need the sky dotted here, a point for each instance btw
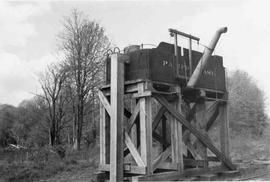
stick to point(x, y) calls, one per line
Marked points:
point(29, 30)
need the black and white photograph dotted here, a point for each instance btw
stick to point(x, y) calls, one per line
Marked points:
point(135, 90)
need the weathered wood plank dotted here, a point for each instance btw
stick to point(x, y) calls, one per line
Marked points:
point(174, 137)
point(104, 102)
point(102, 134)
point(214, 112)
point(171, 176)
point(158, 117)
point(200, 118)
point(117, 118)
point(130, 87)
point(192, 150)
point(194, 131)
point(194, 163)
point(162, 157)
point(135, 154)
point(144, 94)
point(179, 151)
point(129, 169)
point(133, 117)
point(224, 130)
point(133, 130)
point(146, 129)
point(167, 166)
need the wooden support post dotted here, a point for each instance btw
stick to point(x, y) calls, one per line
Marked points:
point(201, 126)
point(102, 135)
point(107, 137)
point(117, 117)
point(174, 143)
point(146, 129)
point(179, 132)
point(224, 129)
point(176, 135)
point(133, 129)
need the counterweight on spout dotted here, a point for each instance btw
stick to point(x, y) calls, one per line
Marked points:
point(205, 57)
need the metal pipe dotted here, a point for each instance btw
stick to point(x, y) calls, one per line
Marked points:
point(205, 57)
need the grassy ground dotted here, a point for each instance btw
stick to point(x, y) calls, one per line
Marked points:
point(247, 148)
point(76, 166)
point(81, 166)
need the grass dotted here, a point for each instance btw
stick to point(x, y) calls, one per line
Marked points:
point(76, 166)
point(81, 165)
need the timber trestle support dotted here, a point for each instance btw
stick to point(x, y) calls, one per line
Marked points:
point(146, 135)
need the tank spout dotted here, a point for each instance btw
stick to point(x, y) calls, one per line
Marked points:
point(205, 57)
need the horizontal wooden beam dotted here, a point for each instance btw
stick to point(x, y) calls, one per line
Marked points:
point(171, 176)
point(130, 169)
point(194, 131)
point(144, 94)
point(130, 87)
point(194, 163)
point(167, 166)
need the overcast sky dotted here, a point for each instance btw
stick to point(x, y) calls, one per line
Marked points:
point(28, 33)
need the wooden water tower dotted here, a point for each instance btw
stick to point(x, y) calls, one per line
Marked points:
point(190, 89)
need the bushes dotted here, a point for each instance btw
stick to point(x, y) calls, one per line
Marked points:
point(247, 104)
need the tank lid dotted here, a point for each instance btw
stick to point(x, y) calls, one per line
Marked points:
point(131, 48)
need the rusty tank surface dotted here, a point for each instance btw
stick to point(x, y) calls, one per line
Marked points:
point(158, 65)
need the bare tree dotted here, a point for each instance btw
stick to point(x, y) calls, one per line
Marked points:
point(52, 82)
point(84, 43)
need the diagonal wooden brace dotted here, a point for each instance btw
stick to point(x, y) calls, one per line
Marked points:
point(214, 111)
point(161, 158)
point(194, 131)
point(133, 117)
point(104, 102)
point(158, 118)
point(134, 152)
